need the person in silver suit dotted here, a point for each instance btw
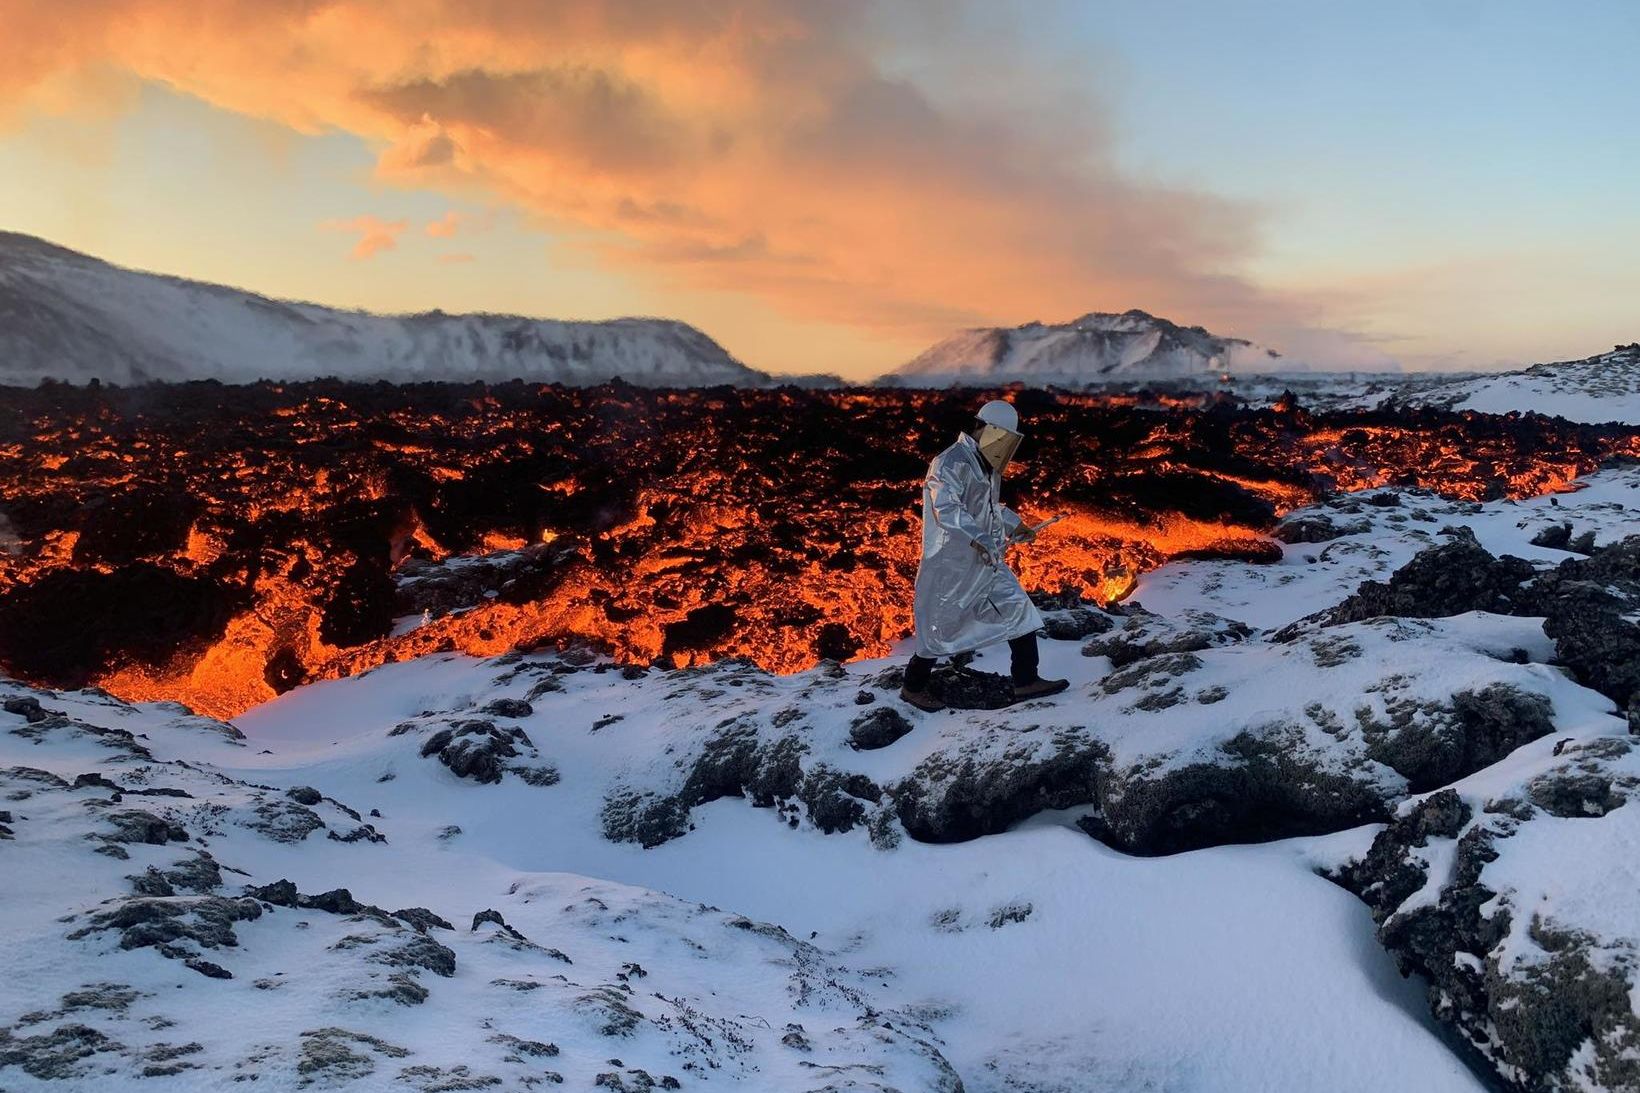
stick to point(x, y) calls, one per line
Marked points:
point(967, 598)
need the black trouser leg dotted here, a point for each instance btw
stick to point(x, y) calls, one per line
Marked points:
point(918, 672)
point(1024, 654)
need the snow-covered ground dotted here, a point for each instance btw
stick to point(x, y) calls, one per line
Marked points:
point(1598, 389)
point(68, 316)
point(749, 947)
point(1036, 959)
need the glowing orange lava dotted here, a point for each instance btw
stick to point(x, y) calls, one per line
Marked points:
point(216, 546)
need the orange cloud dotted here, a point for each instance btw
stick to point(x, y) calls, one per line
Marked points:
point(375, 235)
point(422, 145)
point(446, 226)
point(761, 147)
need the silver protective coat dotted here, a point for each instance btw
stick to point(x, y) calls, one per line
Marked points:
point(962, 602)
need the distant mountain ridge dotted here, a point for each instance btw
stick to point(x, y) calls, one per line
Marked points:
point(71, 317)
point(1099, 346)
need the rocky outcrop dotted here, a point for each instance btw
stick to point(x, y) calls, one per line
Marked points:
point(1591, 607)
point(1264, 783)
point(1433, 743)
point(1144, 635)
point(1067, 617)
point(479, 750)
point(1449, 579)
point(1499, 905)
point(175, 928)
point(1317, 528)
point(961, 795)
point(738, 762)
point(877, 729)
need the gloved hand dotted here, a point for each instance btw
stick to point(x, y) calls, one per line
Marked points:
point(984, 553)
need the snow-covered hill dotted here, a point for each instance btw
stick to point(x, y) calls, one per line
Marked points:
point(1602, 388)
point(1099, 347)
point(557, 869)
point(71, 317)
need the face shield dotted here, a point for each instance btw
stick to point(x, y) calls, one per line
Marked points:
point(997, 444)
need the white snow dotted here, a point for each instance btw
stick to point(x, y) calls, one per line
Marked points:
point(1229, 969)
point(1599, 389)
point(1596, 390)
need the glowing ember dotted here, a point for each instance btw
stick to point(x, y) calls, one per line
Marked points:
point(219, 545)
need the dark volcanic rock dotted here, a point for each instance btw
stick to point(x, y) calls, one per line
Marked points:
point(509, 707)
point(142, 922)
point(1439, 581)
point(952, 798)
point(479, 750)
point(736, 762)
point(1146, 635)
point(1562, 1018)
point(1573, 794)
point(877, 729)
point(55, 1055)
point(136, 826)
point(836, 800)
point(284, 821)
point(1387, 876)
point(362, 833)
point(329, 1055)
point(965, 688)
point(71, 623)
point(647, 819)
point(340, 901)
point(281, 893)
point(402, 987)
point(1263, 786)
point(1066, 617)
point(1432, 744)
point(1555, 536)
point(421, 919)
point(1317, 528)
point(304, 795)
point(420, 951)
point(1590, 607)
point(25, 706)
point(199, 874)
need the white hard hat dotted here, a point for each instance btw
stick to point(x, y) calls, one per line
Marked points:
point(1001, 414)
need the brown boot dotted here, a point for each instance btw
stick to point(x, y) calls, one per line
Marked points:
point(1039, 688)
point(923, 700)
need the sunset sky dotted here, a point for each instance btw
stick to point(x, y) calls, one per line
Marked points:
point(828, 185)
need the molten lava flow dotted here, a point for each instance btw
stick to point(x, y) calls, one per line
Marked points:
point(218, 546)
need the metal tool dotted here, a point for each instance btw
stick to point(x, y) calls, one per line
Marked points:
point(1038, 527)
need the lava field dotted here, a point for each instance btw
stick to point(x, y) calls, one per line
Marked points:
point(217, 545)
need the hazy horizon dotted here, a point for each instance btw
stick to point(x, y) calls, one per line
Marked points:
point(1300, 366)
